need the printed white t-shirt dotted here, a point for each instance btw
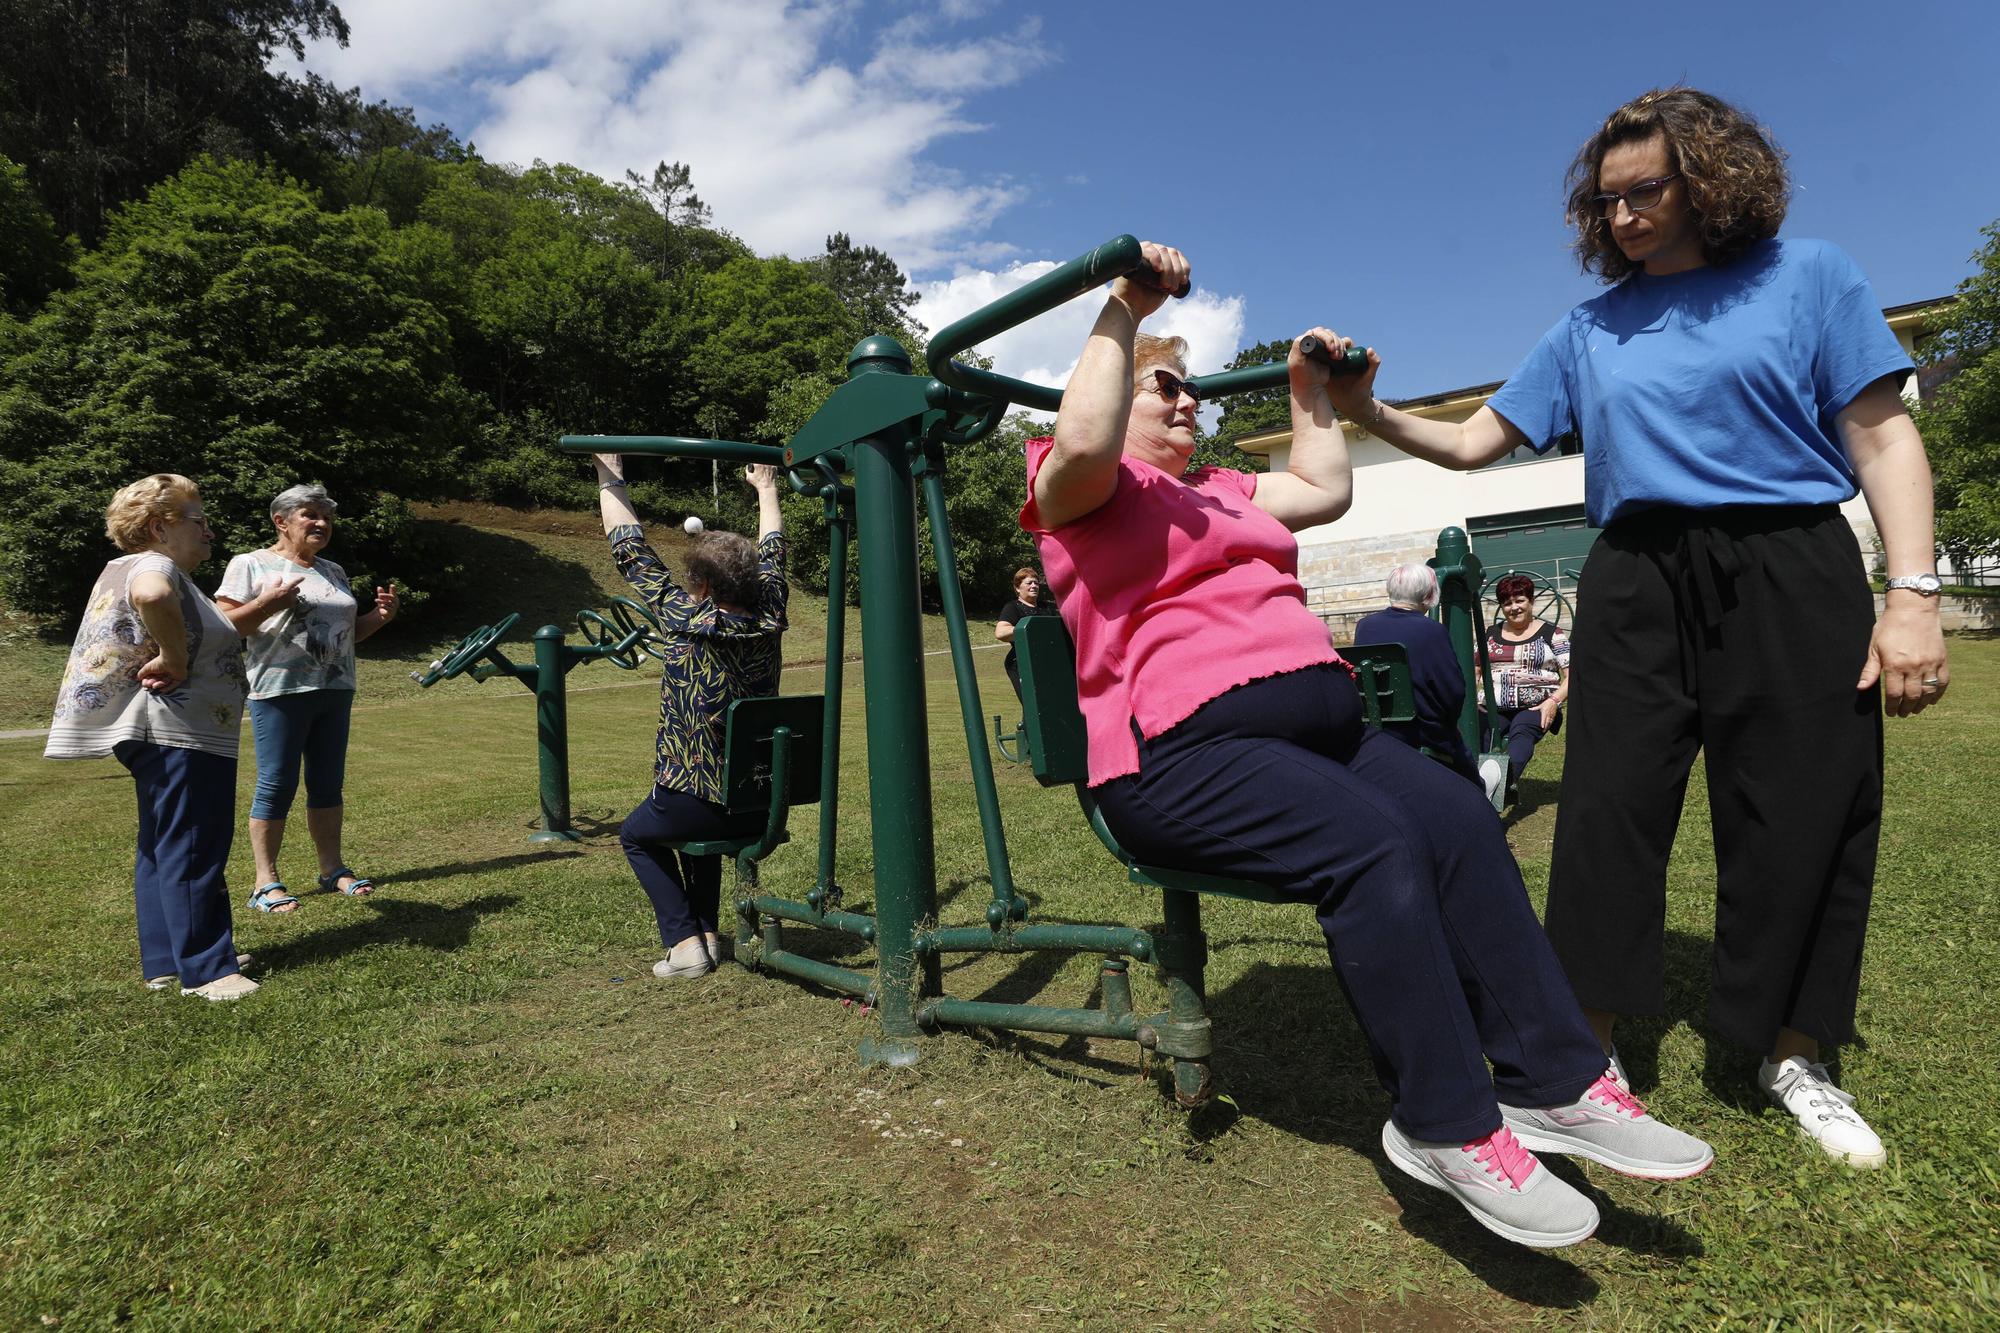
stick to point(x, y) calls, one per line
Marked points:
point(308, 646)
point(101, 701)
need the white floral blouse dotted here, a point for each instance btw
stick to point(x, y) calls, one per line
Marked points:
point(101, 702)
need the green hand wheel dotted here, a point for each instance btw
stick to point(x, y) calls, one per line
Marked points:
point(467, 652)
point(617, 645)
point(629, 615)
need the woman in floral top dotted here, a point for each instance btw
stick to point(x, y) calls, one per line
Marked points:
point(1530, 659)
point(722, 633)
point(155, 679)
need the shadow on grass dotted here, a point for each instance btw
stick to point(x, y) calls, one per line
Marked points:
point(395, 921)
point(1534, 794)
point(545, 589)
point(418, 874)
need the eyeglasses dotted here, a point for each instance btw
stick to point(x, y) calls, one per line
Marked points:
point(1171, 386)
point(1644, 195)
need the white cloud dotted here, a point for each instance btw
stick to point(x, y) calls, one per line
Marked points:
point(786, 143)
point(1045, 349)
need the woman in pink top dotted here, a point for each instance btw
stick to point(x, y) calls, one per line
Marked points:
point(1226, 738)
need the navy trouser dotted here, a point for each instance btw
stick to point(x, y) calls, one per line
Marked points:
point(1738, 633)
point(1426, 919)
point(1524, 733)
point(187, 821)
point(686, 891)
point(310, 726)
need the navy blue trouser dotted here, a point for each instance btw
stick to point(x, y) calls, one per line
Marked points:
point(686, 891)
point(187, 821)
point(1428, 924)
point(1524, 733)
point(311, 726)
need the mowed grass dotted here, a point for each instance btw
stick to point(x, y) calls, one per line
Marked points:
point(465, 1102)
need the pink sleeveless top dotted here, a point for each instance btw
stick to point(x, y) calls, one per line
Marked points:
point(1176, 590)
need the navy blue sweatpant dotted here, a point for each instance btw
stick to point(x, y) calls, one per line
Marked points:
point(1524, 732)
point(686, 891)
point(187, 821)
point(1426, 918)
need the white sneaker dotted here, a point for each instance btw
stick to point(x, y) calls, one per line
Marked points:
point(1493, 777)
point(688, 959)
point(232, 987)
point(720, 947)
point(1826, 1115)
point(161, 983)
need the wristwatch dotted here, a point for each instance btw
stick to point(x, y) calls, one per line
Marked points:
point(1923, 585)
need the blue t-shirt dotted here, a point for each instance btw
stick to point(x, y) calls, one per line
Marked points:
point(1717, 386)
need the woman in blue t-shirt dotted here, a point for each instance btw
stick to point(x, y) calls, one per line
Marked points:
point(1731, 390)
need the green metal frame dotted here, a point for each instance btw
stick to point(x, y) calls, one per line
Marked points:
point(876, 446)
point(618, 639)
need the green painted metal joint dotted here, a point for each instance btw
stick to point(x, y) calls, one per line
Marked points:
point(1191, 1039)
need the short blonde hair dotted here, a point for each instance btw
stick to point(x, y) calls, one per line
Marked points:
point(131, 513)
point(1150, 350)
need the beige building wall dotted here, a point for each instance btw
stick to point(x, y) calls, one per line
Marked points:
point(1401, 503)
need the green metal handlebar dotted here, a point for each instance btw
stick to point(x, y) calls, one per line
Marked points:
point(1113, 259)
point(1118, 257)
point(673, 446)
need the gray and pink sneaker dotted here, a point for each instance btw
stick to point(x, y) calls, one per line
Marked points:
point(1609, 1125)
point(1500, 1183)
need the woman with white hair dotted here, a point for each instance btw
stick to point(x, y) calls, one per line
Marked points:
point(301, 671)
point(155, 680)
point(1436, 678)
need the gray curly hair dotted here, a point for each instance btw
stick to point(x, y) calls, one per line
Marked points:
point(294, 498)
point(1413, 585)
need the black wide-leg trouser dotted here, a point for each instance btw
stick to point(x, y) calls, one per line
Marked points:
point(1429, 927)
point(1739, 633)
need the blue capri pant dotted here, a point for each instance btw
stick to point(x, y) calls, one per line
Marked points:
point(310, 726)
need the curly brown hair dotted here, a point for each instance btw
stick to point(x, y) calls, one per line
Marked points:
point(725, 565)
point(1733, 170)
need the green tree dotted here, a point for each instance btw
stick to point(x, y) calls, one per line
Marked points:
point(101, 99)
point(1961, 420)
point(746, 328)
point(34, 257)
point(1247, 414)
point(232, 331)
point(871, 288)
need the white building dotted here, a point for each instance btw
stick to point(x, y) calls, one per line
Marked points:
point(1523, 512)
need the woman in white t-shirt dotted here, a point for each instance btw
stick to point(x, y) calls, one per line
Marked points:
point(155, 679)
point(301, 674)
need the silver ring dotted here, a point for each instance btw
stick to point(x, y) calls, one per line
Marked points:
point(1932, 681)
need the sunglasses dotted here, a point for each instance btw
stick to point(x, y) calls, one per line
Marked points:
point(1644, 195)
point(1171, 386)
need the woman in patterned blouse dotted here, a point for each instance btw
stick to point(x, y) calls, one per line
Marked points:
point(722, 631)
point(1530, 660)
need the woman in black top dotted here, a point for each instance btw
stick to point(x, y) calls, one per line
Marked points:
point(1027, 602)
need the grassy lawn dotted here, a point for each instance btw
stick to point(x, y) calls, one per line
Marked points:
point(464, 1102)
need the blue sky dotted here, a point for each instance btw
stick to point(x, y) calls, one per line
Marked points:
point(1392, 170)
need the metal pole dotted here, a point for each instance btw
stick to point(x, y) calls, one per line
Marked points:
point(839, 530)
point(1005, 904)
point(1458, 606)
point(552, 736)
point(899, 778)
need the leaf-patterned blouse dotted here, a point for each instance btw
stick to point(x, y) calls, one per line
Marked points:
point(713, 658)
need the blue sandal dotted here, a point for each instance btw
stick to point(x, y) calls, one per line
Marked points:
point(273, 897)
point(361, 886)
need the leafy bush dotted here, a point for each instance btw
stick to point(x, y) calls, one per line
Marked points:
point(231, 330)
